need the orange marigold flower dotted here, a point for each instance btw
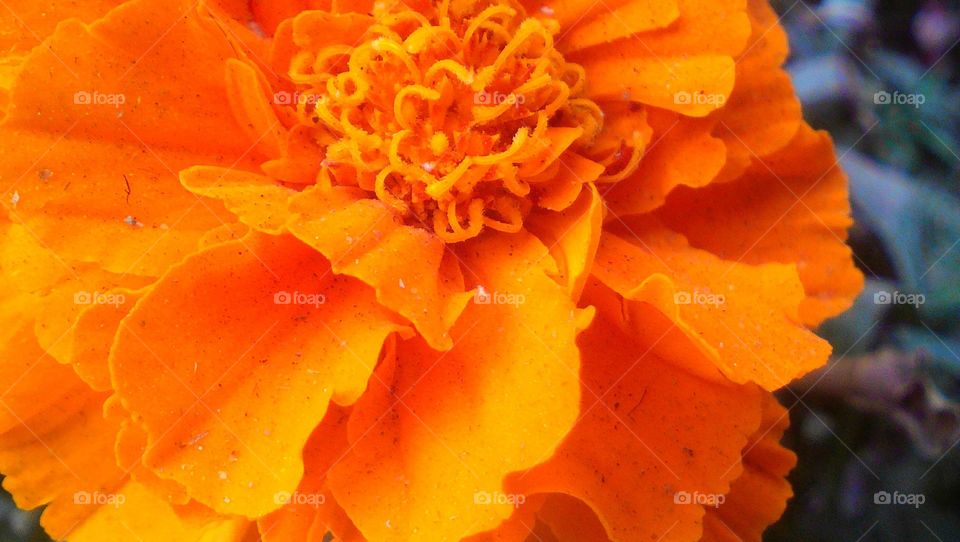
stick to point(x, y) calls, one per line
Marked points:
point(423, 270)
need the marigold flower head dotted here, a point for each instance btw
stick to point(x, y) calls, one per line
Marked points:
point(432, 270)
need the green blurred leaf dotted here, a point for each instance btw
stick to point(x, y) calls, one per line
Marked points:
point(920, 228)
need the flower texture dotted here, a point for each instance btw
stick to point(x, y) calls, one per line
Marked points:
point(407, 271)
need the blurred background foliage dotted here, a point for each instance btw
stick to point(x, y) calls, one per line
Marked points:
point(885, 415)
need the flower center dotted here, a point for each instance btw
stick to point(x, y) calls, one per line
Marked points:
point(452, 115)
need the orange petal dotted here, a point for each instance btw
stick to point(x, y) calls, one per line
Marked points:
point(571, 519)
point(706, 75)
point(26, 23)
point(565, 187)
point(759, 496)
point(744, 318)
point(437, 432)
point(253, 109)
point(763, 112)
point(128, 80)
point(92, 155)
point(683, 153)
point(572, 236)
point(694, 55)
point(620, 22)
point(257, 201)
point(649, 433)
point(791, 207)
point(260, 344)
point(410, 268)
point(93, 335)
point(311, 511)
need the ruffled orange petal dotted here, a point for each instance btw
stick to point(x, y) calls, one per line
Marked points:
point(743, 318)
point(792, 207)
point(763, 112)
point(683, 153)
point(311, 511)
point(61, 291)
point(55, 447)
point(92, 154)
point(647, 432)
point(93, 333)
point(572, 237)
point(257, 201)
point(410, 268)
point(26, 23)
point(693, 55)
point(759, 496)
point(435, 434)
point(227, 418)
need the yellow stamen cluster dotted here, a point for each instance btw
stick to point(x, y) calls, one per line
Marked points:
point(448, 117)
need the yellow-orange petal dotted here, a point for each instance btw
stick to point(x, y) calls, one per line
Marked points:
point(243, 346)
point(743, 318)
point(56, 447)
point(412, 271)
point(572, 236)
point(257, 201)
point(648, 434)
point(791, 207)
point(135, 513)
point(437, 431)
point(311, 511)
